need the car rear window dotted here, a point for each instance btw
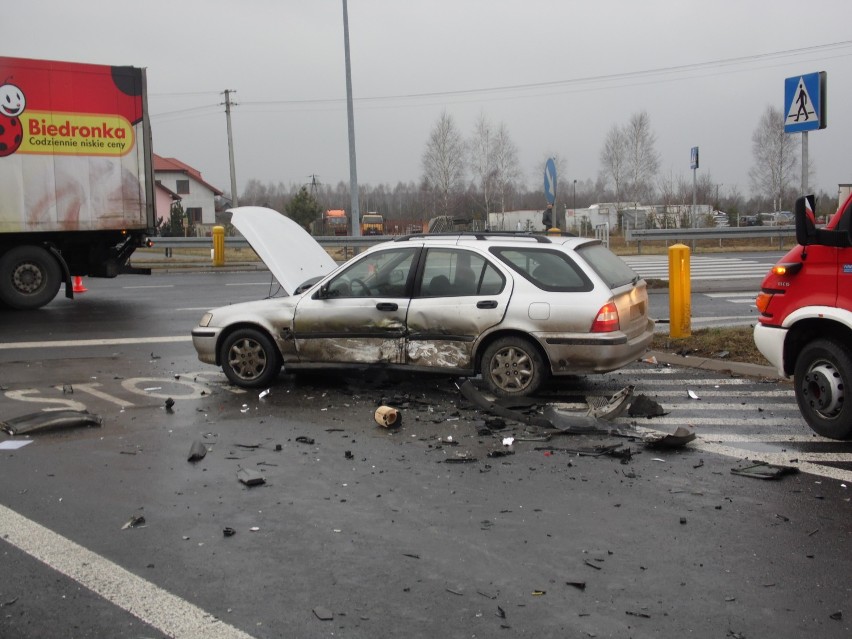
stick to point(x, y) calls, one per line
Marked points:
point(548, 269)
point(609, 267)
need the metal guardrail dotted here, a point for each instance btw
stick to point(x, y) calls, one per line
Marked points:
point(712, 233)
point(238, 242)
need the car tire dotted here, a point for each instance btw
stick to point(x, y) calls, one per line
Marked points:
point(249, 358)
point(512, 367)
point(29, 277)
point(823, 383)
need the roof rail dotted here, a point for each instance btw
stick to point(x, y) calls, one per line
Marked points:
point(479, 235)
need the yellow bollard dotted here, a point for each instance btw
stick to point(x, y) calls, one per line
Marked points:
point(554, 231)
point(218, 246)
point(680, 313)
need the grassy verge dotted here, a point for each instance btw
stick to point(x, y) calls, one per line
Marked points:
point(735, 344)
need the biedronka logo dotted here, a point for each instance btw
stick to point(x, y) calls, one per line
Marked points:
point(75, 134)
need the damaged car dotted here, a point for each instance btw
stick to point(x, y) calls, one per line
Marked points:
point(515, 308)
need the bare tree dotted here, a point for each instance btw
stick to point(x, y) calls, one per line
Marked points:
point(643, 161)
point(775, 157)
point(614, 160)
point(507, 170)
point(483, 160)
point(444, 161)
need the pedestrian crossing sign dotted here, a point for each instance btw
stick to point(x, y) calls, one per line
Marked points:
point(804, 103)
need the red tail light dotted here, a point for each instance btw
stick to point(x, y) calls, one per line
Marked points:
point(607, 319)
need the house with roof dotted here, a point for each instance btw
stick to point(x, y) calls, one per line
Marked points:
point(175, 178)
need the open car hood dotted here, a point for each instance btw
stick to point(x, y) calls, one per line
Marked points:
point(286, 248)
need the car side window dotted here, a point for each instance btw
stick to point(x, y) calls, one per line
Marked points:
point(455, 273)
point(549, 270)
point(378, 274)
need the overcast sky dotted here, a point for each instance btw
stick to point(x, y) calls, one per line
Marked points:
point(558, 73)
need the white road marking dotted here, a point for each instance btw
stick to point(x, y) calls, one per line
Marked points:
point(151, 286)
point(169, 614)
point(118, 341)
point(247, 284)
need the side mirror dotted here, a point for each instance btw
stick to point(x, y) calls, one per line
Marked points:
point(803, 213)
point(807, 232)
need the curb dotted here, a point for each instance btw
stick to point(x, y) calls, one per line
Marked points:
point(706, 363)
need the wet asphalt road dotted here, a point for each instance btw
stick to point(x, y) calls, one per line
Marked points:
point(394, 539)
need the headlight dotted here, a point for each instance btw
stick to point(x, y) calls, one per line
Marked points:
point(206, 319)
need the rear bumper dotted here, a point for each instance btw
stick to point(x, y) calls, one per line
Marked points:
point(594, 352)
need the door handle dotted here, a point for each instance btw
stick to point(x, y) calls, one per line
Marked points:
point(487, 304)
point(386, 306)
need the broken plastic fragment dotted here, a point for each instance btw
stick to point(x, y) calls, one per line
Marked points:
point(50, 420)
point(229, 532)
point(250, 477)
point(136, 521)
point(323, 614)
point(681, 436)
point(508, 441)
point(263, 394)
point(692, 394)
point(615, 406)
point(169, 403)
point(386, 416)
point(644, 406)
point(197, 451)
point(305, 440)
point(762, 470)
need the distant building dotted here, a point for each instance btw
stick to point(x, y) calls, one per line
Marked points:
point(196, 195)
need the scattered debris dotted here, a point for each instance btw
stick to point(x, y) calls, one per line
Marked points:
point(762, 470)
point(50, 420)
point(250, 477)
point(263, 394)
point(721, 354)
point(538, 593)
point(500, 453)
point(387, 417)
point(455, 592)
point(508, 441)
point(169, 403)
point(197, 451)
point(323, 614)
point(580, 585)
point(692, 394)
point(472, 394)
point(305, 440)
point(637, 614)
point(135, 521)
point(614, 406)
point(67, 389)
point(460, 460)
point(650, 360)
point(837, 616)
point(644, 406)
point(681, 436)
point(229, 532)
point(348, 455)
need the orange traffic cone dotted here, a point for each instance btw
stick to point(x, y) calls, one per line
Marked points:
point(78, 285)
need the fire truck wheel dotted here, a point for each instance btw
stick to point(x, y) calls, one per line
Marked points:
point(823, 383)
point(29, 277)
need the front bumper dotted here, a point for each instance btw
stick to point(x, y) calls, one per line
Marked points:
point(770, 342)
point(204, 339)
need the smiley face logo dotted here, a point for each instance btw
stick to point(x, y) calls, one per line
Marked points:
point(12, 105)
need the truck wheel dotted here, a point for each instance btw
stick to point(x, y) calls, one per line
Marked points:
point(512, 367)
point(249, 358)
point(29, 277)
point(823, 381)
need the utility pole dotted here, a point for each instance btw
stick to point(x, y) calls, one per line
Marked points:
point(234, 199)
point(353, 173)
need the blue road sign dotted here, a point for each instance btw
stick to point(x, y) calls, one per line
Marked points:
point(804, 103)
point(550, 181)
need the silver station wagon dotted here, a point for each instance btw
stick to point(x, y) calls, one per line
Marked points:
point(515, 308)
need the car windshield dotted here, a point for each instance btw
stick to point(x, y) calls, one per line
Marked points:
point(609, 267)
